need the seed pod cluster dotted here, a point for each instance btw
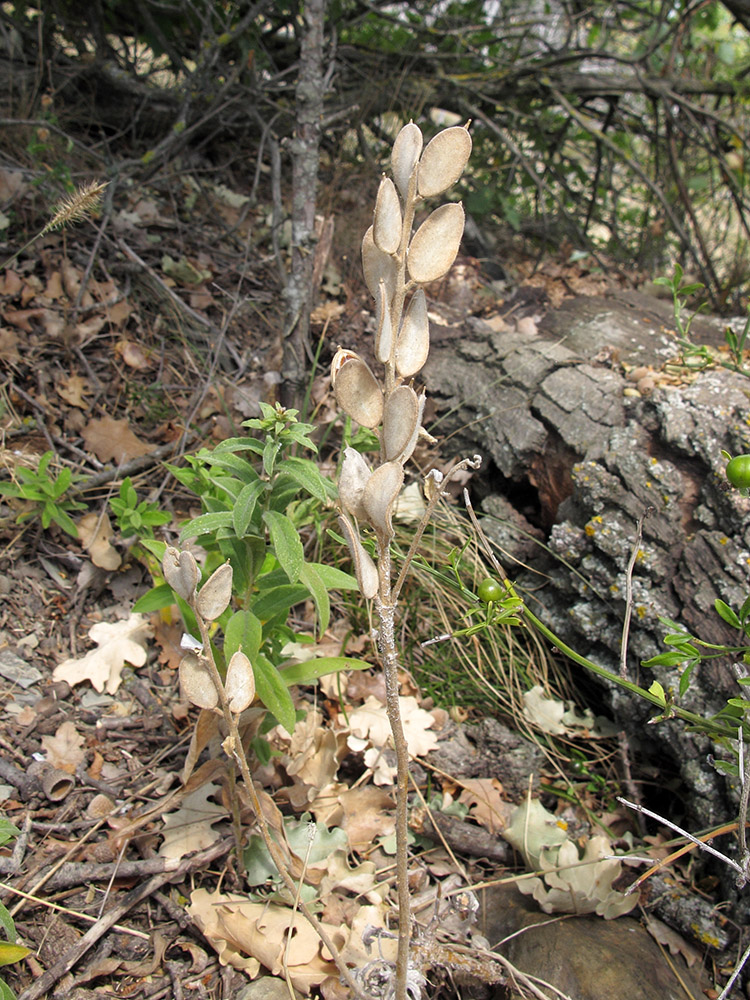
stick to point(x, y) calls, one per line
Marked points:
point(396, 264)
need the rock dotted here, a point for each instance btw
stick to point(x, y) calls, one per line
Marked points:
point(267, 988)
point(583, 462)
point(587, 958)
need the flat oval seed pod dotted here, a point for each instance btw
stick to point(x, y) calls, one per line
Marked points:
point(412, 443)
point(377, 266)
point(364, 568)
point(413, 343)
point(240, 683)
point(354, 477)
point(435, 244)
point(406, 150)
point(400, 422)
point(380, 496)
point(384, 332)
point(386, 227)
point(357, 391)
point(215, 594)
point(443, 161)
point(181, 572)
point(196, 682)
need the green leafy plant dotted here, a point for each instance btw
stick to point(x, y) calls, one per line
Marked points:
point(698, 356)
point(10, 950)
point(42, 495)
point(136, 517)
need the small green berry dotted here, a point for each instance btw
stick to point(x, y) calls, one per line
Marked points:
point(738, 471)
point(490, 591)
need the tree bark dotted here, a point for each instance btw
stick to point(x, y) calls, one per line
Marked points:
point(305, 161)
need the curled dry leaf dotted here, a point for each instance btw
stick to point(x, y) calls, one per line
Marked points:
point(400, 423)
point(406, 150)
point(95, 534)
point(380, 495)
point(413, 344)
point(355, 474)
point(181, 572)
point(364, 568)
point(443, 161)
point(356, 389)
point(377, 266)
point(240, 683)
point(215, 594)
point(435, 244)
point(197, 683)
point(386, 227)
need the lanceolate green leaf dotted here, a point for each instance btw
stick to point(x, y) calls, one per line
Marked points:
point(318, 666)
point(273, 602)
point(286, 543)
point(311, 579)
point(273, 692)
point(154, 599)
point(244, 507)
point(10, 953)
point(306, 474)
point(244, 631)
point(6, 921)
point(335, 579)
point(205, 524)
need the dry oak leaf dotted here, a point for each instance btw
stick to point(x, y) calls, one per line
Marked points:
point(95, 533)
point(370, 721)
point(190, 827)
point(73, 389)
point(113, 440)
point(487, 806)
point(65, 749)
point(237, 928)
point(118, 643)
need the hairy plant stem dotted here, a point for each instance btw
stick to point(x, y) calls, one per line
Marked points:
point(386, 610)
point(233, 748)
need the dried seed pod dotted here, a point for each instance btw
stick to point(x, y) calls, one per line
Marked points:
point(352, 482)
point(380, 495)
point(356, 388)
point(196, 682)
point(377, 266)
point(364, 568)
point(181, 572)
point(240, 683)
point(215, 594)
point(386, 226)
point(435, 244)
point(413, 343)
point(384, 333)
point(400, 423)
point(443, 161)
point(404, 156)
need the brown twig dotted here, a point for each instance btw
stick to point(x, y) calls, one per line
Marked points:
point(55, 973)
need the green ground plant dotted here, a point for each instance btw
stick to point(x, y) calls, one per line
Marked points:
point(42, 494)
point(10, 951)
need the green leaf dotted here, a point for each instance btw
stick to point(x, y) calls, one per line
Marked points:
point(727, 767)
point(273, 602)
point(60, 517)
point(685, 676)
point(206, 524)
point(8, 831)
point(243, 631)
point(273, 692)
point(286, 543)
point(155, 547)
point(666, 660)
point(10, 953)
point(657, 690)
point(154, 599)
point(6, 993)
point(239, 444)
point(725, 612)
point(307, 475)
point(335, 579)
point(270, 451)
point(244, 506)
point(320, 666)
point(6, 921)
point(311, 579)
